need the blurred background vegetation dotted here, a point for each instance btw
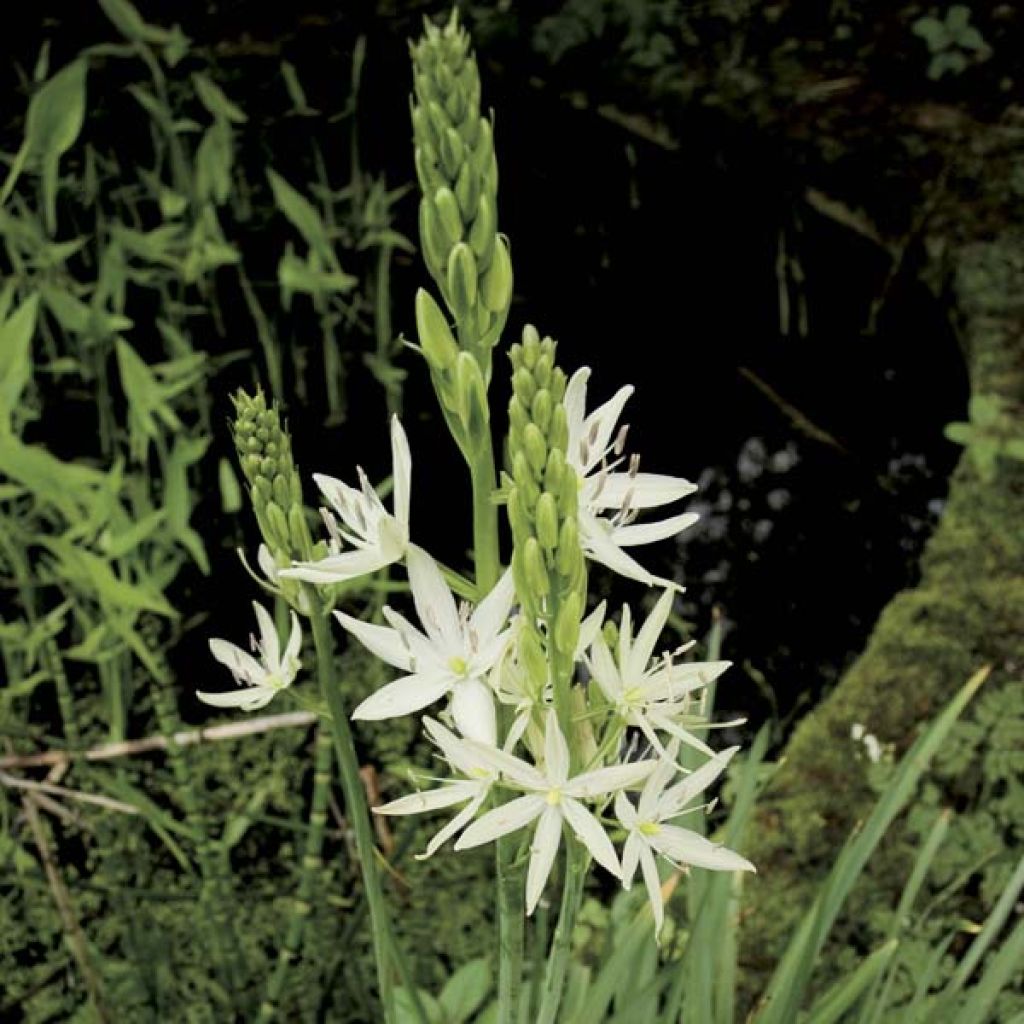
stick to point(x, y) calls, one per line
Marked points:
point(796, 228)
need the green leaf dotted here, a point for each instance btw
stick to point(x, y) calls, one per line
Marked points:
point(304, 217)
point(16, 357)
point(405, 1008)
point(214, 158)
point(465, 991)
point(788, 985)
point(834, 1004)
point(212, 97)
point(54, 120)
point(230, 491)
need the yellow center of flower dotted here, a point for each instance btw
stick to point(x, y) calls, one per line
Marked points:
point(649, 828)
point(458, 665)
point(633, 696)
point(554, 797)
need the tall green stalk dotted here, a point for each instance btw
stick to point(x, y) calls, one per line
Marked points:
point(561, 945)
point(386, 952)
point(312, 862)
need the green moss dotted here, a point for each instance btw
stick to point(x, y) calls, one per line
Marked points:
point(967, 611)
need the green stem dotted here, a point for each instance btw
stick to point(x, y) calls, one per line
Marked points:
point(558, 961)
point(312, 861)
point(509, 880)
point(386, 952)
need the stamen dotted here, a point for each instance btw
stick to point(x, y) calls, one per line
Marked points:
point(620, 440)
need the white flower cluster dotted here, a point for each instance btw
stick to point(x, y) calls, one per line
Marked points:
point(468, 657)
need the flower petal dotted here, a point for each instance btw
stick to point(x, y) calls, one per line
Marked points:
point(625, 811)
point(542, 854)
point(270, 644)
point(491, 614)
point(457, 824)
point(501, 821)
point(686, 847)
point(556, 751)
point(511, 767)
point(656, 782)
point(682, 793)
point(600, 547)
point(652, 880)
point(290, 664)
point(401, 471)
point(648, 533)
point(472, 707)
point(644, 490)
point(590, 629)
point(575, 402)
point(383, 641)
point(338, 568)
point(243, 666)
point(402, 697)
point(600, 425)
point(435, 604)
point(630, 858)
point(593, 837)
point(608, 780)
point(604, 671)
point(643, 649)
point(448, 795)
point(238, 698)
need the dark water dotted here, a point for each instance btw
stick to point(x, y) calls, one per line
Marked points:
point(656, 268)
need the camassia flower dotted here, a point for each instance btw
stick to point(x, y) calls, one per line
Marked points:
point(264, 678)
point(472, 790)
point(453, 656)
point(552, 799)
point(651, 696)
point(606, 488)
point(650, 831)
point(377, 537)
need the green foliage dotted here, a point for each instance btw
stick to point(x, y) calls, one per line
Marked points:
point(993, 432)
point(953, 42)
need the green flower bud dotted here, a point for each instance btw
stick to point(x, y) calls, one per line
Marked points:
point(483, 233)
point(547, 521)
point(523, 476)
point(532, 656)
point(447, 208)
point(541, 409)
point(496, 284)
point(462, 280)
point(277, 524)
point(436, 340)
point(472, 397)
point(569, 551)
point(518, 418)
point(535, 447)
point(569, 494)
point(558, 429)
point(467, 190)
point(554, 470)
point(282, 492)
point(434, 240)
point(298, 532)
point(534, 568)
point(518, 516)
point(452, 152)
point(567, 624)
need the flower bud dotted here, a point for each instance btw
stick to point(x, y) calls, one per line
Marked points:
point(467, 190)
point(567, 624)
point(483, 233)
point(277, 524)
point(518, 516)
point(554, 470)
point(496, 284)
point(462, 280)
point(471, 397)
point(535, 447)
point(447, 208)
point(452, 152)
point(558, 430)
point(547, 521)
point(541, 409)
point(534, 568)
point(436, 340)
point(531, 654)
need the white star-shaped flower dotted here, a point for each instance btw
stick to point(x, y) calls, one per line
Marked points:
point(453, 656)
point(651, 696)
point(650, 832)
point(605, 487)
point(551, 799)
point(471, 790)
point(264, 678)
point(377, 537)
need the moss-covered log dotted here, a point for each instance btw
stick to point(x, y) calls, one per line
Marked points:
point(967, 610)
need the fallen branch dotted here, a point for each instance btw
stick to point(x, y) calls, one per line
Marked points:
point(129, 748)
